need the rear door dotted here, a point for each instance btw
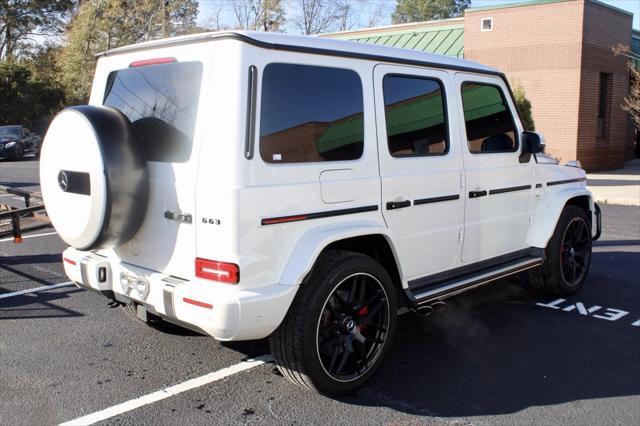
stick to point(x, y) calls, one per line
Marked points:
point(161, 97)
point(420, 167)
point(499, 192)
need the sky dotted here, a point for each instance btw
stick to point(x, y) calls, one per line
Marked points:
point(380, 10)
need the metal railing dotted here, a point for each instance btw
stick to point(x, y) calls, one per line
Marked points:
point(14, 220)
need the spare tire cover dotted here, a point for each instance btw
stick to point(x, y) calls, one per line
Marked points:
point(94, 177)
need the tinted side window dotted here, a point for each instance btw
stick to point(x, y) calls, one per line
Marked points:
point(490, 126)
point(415, 116)
point(310, 114)
point(161, 101)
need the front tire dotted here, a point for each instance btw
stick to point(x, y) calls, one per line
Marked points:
point(339, 327)
point(568, 255)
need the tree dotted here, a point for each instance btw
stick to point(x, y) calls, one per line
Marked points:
point(24, 98)
point(631, 103)
point(22, 20)
point(263, 15)
point(425, 10)
point(319, 16)
point(101, 25)
point(524, 107)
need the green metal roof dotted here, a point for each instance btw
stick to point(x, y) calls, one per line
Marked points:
point(444, 40)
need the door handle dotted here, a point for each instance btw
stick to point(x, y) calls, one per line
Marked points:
point(476, 194)
point(393, 205)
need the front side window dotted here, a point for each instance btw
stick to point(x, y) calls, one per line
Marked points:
point(415, 116)
point(310, 114)
point(161, 102)
point(490, 126)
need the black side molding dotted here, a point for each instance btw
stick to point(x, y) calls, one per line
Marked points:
point(436, 199)
point(560, 182)
point(317, 215)
point(509, 189)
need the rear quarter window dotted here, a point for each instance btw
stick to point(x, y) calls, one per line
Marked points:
point(161, 102)
point(310, 114)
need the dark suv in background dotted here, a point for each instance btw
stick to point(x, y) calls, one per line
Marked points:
point(16, 141)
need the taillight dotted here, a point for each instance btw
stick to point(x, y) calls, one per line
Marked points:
point(217, 271)
point(154, 61)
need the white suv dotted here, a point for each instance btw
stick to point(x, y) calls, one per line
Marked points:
point(248, 185)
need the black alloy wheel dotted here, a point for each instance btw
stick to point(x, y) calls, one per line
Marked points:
point(575, 251)
point(353, 327)
point(340, 325)
point(567, 255)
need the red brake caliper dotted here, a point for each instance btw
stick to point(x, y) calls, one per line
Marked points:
point(362, 312)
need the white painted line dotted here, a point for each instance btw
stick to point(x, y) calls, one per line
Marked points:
point(29, 236)
point(35, 290)
point(156, 396)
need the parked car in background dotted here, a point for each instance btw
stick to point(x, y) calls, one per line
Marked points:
point(16, 141)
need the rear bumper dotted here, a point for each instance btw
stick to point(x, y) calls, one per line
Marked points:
point(223, 311)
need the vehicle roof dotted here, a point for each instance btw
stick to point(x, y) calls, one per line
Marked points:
point(312, 44)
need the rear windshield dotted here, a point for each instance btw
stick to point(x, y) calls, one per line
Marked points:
point(161, 102)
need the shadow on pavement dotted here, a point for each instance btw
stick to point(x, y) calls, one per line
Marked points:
point(493, 351)
point(38, 305)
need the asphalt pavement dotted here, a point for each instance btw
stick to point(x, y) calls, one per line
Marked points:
point(498, 355)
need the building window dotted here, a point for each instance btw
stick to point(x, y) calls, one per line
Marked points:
point(415, 116)
point(486, 24)
point(490, 126)
point(604, 105)
point(310, 114)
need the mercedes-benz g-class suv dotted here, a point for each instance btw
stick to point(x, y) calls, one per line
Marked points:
point(250, 185)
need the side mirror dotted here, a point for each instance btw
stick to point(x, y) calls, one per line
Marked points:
point(533, 142)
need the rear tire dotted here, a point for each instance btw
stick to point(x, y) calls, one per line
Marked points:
point(340, 326)
point(567, 255)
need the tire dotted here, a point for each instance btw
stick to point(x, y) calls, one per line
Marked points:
point(19, 152)
point(567, 255)
point(357, 329)
point(94, 177)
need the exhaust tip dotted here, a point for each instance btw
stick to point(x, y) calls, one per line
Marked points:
point(424, 311)
point(438, 305)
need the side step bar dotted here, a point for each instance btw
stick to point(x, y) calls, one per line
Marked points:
point(459, 285)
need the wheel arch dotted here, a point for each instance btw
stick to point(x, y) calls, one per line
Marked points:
point(367, 238)
point(548, 213)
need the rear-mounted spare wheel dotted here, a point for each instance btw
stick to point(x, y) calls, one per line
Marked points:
point(94, 177)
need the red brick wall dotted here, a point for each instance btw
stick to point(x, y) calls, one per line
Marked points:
point(603, 29)
point(554, 50)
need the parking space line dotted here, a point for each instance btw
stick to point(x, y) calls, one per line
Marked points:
point(34, 290)
point(156, 396)
point(29, 236)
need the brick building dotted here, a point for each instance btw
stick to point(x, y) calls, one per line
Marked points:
point(559, 51)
